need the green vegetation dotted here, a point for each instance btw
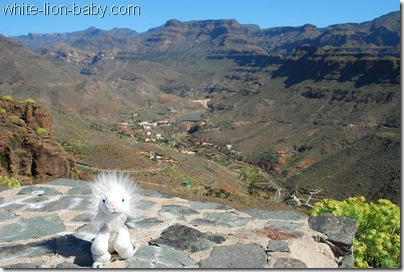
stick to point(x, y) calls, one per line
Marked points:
point(16, 119)
point(9, 182)
point(377, 240)
point(2, 111)
point(4, 157)
point(29, 101)
point(41, 131)
point(8, 98)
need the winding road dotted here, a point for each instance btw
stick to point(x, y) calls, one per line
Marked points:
point(280, 193)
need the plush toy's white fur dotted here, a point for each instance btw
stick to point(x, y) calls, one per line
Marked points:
point(113, 200)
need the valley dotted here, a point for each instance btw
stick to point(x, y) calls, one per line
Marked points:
point(247, 116)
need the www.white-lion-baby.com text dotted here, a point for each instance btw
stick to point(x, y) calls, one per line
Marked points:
point(71, 9)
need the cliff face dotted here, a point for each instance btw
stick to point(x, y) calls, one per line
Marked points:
point(27, 150)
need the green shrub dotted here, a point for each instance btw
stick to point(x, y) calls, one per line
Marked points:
point(8, 98)
point(2, 111)
point(30, 101)
point(377, 240)
point(16, 119)
point(41, 131)
point(9, 182)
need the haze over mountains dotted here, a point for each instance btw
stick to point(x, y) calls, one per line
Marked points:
point(315, 107)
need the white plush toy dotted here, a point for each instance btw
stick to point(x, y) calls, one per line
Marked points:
point(113, 200)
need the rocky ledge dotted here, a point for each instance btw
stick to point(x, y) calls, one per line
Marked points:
point(47, 226)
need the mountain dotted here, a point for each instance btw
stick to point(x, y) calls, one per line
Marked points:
point(315, 107)
point(29, 75)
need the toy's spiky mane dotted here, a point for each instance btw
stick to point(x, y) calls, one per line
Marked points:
point(118, 183)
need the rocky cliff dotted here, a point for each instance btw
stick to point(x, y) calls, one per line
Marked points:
point(46, 226)
point(27, 150)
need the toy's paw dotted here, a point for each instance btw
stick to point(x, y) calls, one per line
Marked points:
point(127, 254)
point(98, 265)
point(102, 258)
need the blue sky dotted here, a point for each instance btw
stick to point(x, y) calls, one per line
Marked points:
point(153, 13)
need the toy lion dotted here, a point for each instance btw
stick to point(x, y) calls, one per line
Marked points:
point(113, 200)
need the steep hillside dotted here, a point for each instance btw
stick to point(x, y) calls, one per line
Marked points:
point(27, 150)
point(27, 75)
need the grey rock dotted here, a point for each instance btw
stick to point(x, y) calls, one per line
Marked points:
point(145, 223)
point(35, 190)
point(68, 182)
point(179, 211)
point(12, 206)
point(66, 265)
point(153, 193)
point(84, 190)
point(6, 215)
point(224, 219)
point(84, 217)
point(288, 263)
point(283, 230)
point(86, 232)
point(277, 246)
point(64, 203)
point(26, 265)
point(236, 256)
point(145, 205)
point(37, 199)
point(1, 200)
point(28, 228)
point(347, 261)
point(29, 250)
point(185, 238)
point(3, 188)
point(283, 215)
point(158, 257)
point(339, 230)
point(208, 206)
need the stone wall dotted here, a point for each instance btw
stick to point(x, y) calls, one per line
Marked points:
point(46, 226)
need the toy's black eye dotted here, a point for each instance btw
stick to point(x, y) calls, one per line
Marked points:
point(123, 200)
point(103, 200)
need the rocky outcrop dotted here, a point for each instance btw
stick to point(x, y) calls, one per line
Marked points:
point(47, 226)
point(27, 150)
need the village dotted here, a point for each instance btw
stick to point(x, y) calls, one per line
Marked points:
point(179, 134)
point(176, 133)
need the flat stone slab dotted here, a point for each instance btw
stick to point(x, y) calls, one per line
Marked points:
point(186, 238)
point(28, 250)
point(178, 211)
point(36, 190)
point(64, 203)
point(6, 215)
point(236, 256)
point(145, 223)
point(145, 205)
point(159, 257)
point(339, 230)
point(277, 246)
point(28, 228)
point(224, 219)
point(288, 263)
point(282, 215)
point(208, 206)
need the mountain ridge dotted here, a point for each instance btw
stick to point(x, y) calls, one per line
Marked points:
point(310, 93)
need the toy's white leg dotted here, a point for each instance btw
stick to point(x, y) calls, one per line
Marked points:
point(99, 248)
point(123, 244)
